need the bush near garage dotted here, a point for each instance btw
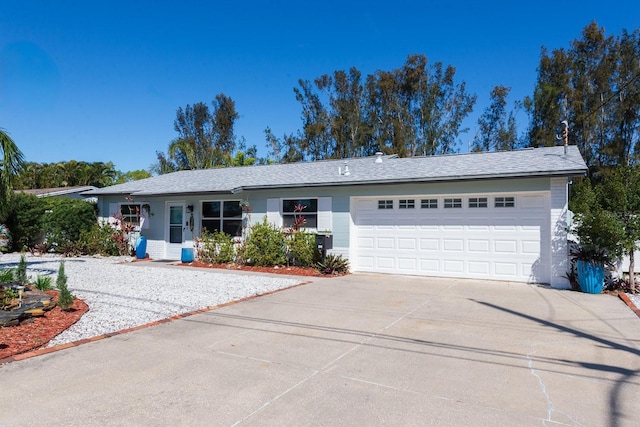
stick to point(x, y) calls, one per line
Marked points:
point(301, 248)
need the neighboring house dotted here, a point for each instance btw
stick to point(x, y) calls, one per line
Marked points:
point(499, 216)
point(70, 192)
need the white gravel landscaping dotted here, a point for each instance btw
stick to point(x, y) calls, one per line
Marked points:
point(121, 295)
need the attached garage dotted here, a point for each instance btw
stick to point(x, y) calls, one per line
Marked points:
point(483, 236)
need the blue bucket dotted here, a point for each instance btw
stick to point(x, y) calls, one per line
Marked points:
point(187, 255)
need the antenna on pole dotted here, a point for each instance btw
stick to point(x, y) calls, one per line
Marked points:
point(564, 135)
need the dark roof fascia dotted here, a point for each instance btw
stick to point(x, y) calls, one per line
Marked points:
point(458, 178)
point(182, 193)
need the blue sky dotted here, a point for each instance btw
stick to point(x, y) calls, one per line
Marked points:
point(101, 81)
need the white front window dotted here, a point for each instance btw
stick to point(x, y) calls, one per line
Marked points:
point(223, 216)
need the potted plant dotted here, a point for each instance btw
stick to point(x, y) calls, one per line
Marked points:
point(600, 236)
point(590, 268)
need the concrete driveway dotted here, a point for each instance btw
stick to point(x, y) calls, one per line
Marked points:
point(358, 350)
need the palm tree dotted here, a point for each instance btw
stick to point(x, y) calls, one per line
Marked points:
point(11, 163)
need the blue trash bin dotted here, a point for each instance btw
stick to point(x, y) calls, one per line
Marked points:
point(187, 255)
point(141, 247)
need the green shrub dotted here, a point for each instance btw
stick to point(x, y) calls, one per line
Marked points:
point(265, 245)
point(7, 275)
point(99, 240)
point(58, 220)
point(216, 248)
point(65, 299)
point(6, 296)
point(66, 219)
point(21, 271)
point(302, 249)
point(43, 283)
point(333, 264)
point(25, 221)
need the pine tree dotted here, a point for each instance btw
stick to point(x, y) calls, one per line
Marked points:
point(21, 272)
point(65, 299)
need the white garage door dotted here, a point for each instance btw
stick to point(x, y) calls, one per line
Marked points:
point(504, 237)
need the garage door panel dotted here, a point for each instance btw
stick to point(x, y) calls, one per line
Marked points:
point(429, 265)
point(387, 224)
point(530, 247)
point(505, 226)
point(366, 263)
point(479, 245)
point(478, 227)
point(501, 243)
point(506, 269)
point(453, 266)
point(479, 267)
point(385, 243)
point(407, 264)
point(455, 245)
point(453, 227)
point(365, 242)
point(430, 244)
point(433, 227)
point(505, 246)
point(387, 263)
point(407, 243)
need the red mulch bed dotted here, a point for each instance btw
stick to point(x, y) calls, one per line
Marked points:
point(35, 332)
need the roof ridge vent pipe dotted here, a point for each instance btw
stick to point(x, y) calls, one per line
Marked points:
point(346, 169)
point(378, 157)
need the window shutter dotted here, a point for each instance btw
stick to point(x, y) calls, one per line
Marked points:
point(324, 214)
point(144, 217)
point(273, 212)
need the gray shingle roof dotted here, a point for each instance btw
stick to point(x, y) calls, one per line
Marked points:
point(548, 161)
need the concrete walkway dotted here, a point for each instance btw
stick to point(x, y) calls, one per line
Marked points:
point(361, 350)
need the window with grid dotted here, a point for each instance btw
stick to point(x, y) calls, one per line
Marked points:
point(407, 204)
point(385, 204)
point(477, 202)
point(452, 203)
point(223, 216)
point(309, 212)
point(429, 204)
point(505, 202)
point(130, 213)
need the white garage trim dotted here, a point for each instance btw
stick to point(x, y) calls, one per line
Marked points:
point(473, 237)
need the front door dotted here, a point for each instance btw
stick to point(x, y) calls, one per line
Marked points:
point(175, 229)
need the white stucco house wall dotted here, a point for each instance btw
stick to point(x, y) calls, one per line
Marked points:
point(498, 215)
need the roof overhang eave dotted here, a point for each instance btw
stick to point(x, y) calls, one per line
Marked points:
point(456, 178)
point(450, 178)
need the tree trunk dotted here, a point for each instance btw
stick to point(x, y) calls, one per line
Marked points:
point(632, 283)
